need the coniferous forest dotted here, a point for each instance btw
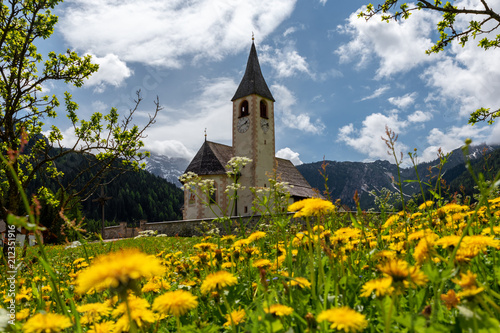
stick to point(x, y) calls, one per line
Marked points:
point(134, 196)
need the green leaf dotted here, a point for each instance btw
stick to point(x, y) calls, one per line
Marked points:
point(355, 222)
point(22, 222)
point(435, 195)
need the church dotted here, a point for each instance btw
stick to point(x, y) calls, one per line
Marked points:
point(253, 136)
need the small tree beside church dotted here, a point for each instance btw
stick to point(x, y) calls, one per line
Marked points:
point(28, 147)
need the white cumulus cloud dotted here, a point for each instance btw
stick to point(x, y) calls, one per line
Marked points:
point(159, 32)
point(377, 93)
point(403, 102)
point(467, 78)
point(399, 46)
point(170, 148)
point(286, 104)
point(289, 154)
point(462, 79)
point(368, 139)
point(181, 131)
point(452, 138)
point(419, 116)
point(112, 71)
point(286, 62)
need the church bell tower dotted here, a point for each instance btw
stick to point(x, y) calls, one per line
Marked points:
point(253, 125)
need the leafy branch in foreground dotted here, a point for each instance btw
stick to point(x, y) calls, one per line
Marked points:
point(484, 22)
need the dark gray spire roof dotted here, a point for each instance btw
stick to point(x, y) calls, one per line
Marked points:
point(253, 82)
point(211, 159)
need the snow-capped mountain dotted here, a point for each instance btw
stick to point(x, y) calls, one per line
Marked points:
point(169, 168)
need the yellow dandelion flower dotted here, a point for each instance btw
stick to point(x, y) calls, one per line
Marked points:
point(155, 285)
point(448, 241)
point(348, 233)
point(467, 280)
point(46, 289)
point(301, 282)
point(46, 323)
point(228, 238)
point(494, 201)
point(471, 246)
point(296, 206)
point(256, 236)
point(205, 246)
point(77, 261)
point(416, 215)
point(400, 271)
point(22, 314)
point(458, 217)
point(487, 231)
point(470, 292)
point(24, 294)
point(450, 209)
point(385, 255)
point(217, 281)
point(118, 268)
point(318, 229)
point(228, 265)
point(420, 234)
point(104, 327)
point(297, 240)
point(311, 206)
point(249, 251)
point(93, 311)
point(262, 263)
point(426, 204)
point(381, 287)
point(139, 313)
point(399, 247)
point(234, 318)
point(392, 220)
point(279, 310)
point(481, 242)
point(344, 319)
point(176, 303)
point(423, 250)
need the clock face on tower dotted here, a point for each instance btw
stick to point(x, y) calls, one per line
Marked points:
point(243, 124)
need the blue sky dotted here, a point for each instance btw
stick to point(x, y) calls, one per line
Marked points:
point(337, 80)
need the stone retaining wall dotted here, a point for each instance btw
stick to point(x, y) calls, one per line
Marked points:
point(189, 228)
point(120, 231)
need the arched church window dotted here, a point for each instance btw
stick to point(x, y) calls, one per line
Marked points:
point(212, 195)
point(244, 109)
point(263, 109)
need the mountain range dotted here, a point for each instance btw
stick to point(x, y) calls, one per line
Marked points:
point(344, 179)
point(169, 168)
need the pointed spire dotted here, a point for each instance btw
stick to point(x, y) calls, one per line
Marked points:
point(253, 81)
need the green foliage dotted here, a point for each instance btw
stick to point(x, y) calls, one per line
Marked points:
point(24, 108)
point(135, 195)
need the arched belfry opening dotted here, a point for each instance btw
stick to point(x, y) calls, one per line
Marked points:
point(244, 109)
point(263, 109)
